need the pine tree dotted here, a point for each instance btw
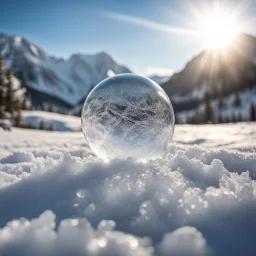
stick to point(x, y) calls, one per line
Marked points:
point(221, 95)
point(237, 100)
point(24, 104)
point(17, 119)
point(208, 115)
point(50, 127)
point(8, 103)
point(1, 88)
point(9, 99)
point(233, 118)
point(188, 120)
point(24, 100)
point(225, 119)
point(177, 119)
point(252, 113)
point(220, 101)
point(244, 83)
point(192, 119)
point(41, 125)
point(50, 108)
point(220, 119)
point(239, 118)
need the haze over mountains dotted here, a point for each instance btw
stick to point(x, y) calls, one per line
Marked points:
point(64, 83)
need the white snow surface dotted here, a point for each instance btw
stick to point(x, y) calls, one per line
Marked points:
point(57, 198)
point(58, 121)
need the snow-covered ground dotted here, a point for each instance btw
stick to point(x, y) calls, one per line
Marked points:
point(57, 198)
point(59, 122)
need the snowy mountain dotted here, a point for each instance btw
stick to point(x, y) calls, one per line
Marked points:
point(159, 79)
point(54, 80)
point(224, 72)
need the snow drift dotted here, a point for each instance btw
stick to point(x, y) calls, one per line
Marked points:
point(57, 198)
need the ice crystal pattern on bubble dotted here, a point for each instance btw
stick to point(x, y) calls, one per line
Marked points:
point(128, 116)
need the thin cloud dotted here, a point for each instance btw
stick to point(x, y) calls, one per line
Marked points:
point(145, 23)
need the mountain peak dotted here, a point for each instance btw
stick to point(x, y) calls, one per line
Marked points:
point(18, 45)
point(103, 54)
point(69, 80)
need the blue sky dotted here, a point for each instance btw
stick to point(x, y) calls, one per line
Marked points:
point(141, 34)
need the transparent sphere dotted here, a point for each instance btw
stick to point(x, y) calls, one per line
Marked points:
point(128, 116)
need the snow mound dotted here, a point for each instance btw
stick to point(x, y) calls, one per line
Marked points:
point(59, 199)
point(17, 157)
point(191, 239)
point(73, 237)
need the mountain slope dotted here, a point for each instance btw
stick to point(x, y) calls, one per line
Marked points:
point(224, 71)
point(68, 80)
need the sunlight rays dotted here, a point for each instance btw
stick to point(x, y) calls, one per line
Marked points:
point(213, 26)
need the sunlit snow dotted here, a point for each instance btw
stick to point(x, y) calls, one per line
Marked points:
point(57, 198)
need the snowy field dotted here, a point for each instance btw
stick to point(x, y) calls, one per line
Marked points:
point(57, 198)
point(58, 121)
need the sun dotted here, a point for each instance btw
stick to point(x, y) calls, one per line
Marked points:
point(217, 28)
point(218, 31)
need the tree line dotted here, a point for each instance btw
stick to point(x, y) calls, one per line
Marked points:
point(209, 114)
point(10, 105)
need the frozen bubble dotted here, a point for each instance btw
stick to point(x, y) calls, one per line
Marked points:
point(128, 116)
